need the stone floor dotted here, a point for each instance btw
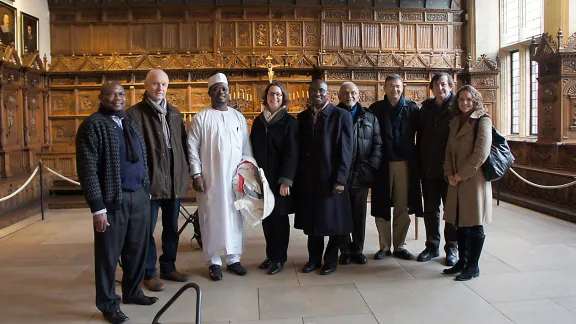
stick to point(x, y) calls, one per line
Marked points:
point(528, 276)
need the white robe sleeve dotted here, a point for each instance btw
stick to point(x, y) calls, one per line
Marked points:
point(194, 142)
point(247, 147)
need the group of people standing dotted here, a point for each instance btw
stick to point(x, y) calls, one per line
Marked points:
point(320, 165)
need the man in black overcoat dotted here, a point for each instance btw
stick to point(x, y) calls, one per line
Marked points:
point(397, 182)
point(322, 199)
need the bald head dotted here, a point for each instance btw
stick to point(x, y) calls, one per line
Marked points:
point(112, 96)
point(318, 92)
point(349, 94)
point(156, 84)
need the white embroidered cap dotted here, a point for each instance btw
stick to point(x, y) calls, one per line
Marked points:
point(216, 78)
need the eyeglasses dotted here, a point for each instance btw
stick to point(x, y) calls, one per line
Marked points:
point(465, 100)
point(275, 94)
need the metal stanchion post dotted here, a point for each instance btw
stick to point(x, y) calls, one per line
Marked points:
point(498, 193)
point(41, 166)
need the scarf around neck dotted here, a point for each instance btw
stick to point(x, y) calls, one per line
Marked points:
point(161, 109)
point(129, 133)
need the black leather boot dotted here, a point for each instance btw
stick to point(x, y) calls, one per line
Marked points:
point(471, 270)
point(462, 233)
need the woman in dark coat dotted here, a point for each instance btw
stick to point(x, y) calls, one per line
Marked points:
point(274, 140)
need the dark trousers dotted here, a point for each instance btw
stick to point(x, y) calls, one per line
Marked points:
point(277, 234)
point(122, 239)
point(434, 192)
point(170, 211)
point(316, 248)
point(358, 201)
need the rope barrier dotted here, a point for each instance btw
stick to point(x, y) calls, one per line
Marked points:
point(62, 177)
point(21, 188)
point(542, 186)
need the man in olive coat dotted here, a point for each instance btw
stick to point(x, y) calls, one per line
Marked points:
point(169, 172)
point(322, 199)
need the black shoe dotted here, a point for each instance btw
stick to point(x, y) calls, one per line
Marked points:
point(468, 273)
point(265, 264)
point(275, 268)
point(403, 254)
point(116, 317)
point(310, 266)
point(345, 258)
point(215, 272)
point(427, 255)
point(140, 300)
point(328, 269)
point(237, 268)
point(359, 258)
point(450, 259)
point(457, 268)
point(381, 254)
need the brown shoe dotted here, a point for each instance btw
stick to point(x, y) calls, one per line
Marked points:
point(154, 284)
point(175, 276)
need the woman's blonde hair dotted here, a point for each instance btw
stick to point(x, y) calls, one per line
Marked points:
point(476, 98)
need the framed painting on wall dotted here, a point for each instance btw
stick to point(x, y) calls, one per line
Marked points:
point(29, 38)
point(8, 27)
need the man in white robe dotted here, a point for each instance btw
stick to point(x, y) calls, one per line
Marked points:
point(217, 141)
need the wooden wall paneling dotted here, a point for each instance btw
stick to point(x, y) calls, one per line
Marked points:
point(351, 36)
point(245, 38)
point(60, 39)
point(296, 33)
point(408, 37)
point(206, 36)
point(81, 39)
point(261, 34)
point(227, 34)
point(424, 39)
point(171, 36)
point(279, 34)
point(417, 92)
point(88, 101)
point(312, 35)
point(101, 39)
point(441, 37)
point(390, 37)
point(371, 36)
point(178, 97)
point(188, 36)
point(120, 40)
point(333, 35)
point(154, 37)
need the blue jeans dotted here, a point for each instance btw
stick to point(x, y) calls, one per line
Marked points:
point(170, 212)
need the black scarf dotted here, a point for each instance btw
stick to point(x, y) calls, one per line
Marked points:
point(129, 133)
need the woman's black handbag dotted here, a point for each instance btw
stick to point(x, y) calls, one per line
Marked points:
point(500, 159)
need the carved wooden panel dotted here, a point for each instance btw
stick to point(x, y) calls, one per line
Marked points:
point(390, 36)
point(227, 34)
point(178, 98)
point(261, 36)
point(295, 34)
point(371, 36)
point(408, 36)
point(207, 31)
point(63, 132)
point(424, 37)
point(332, 34)
point(88, 101)
point(415, 92)
point(62, 103)
point(311, 34)
point(279, 34)
point(244, 34)
point(441, 39)
point(351, 36)
point(13, 118)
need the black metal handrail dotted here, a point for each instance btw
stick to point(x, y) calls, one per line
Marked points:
point(176, 296)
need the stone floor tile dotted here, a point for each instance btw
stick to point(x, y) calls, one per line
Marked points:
point(310, 301)
point(536, 312)
point(342, 319)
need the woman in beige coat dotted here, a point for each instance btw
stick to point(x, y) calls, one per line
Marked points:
point(469, 199)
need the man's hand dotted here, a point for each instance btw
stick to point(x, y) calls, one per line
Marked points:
point(451, 180)
point(457, 177)
point(101, 222)
point(199, 184)
point(284, 190)
point(338, 188)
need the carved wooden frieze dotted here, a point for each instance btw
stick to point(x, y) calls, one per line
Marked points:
point(569, 66)
point(387, 16)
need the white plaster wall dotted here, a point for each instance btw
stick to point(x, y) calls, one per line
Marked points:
point(487, 27)
point(38, 9)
